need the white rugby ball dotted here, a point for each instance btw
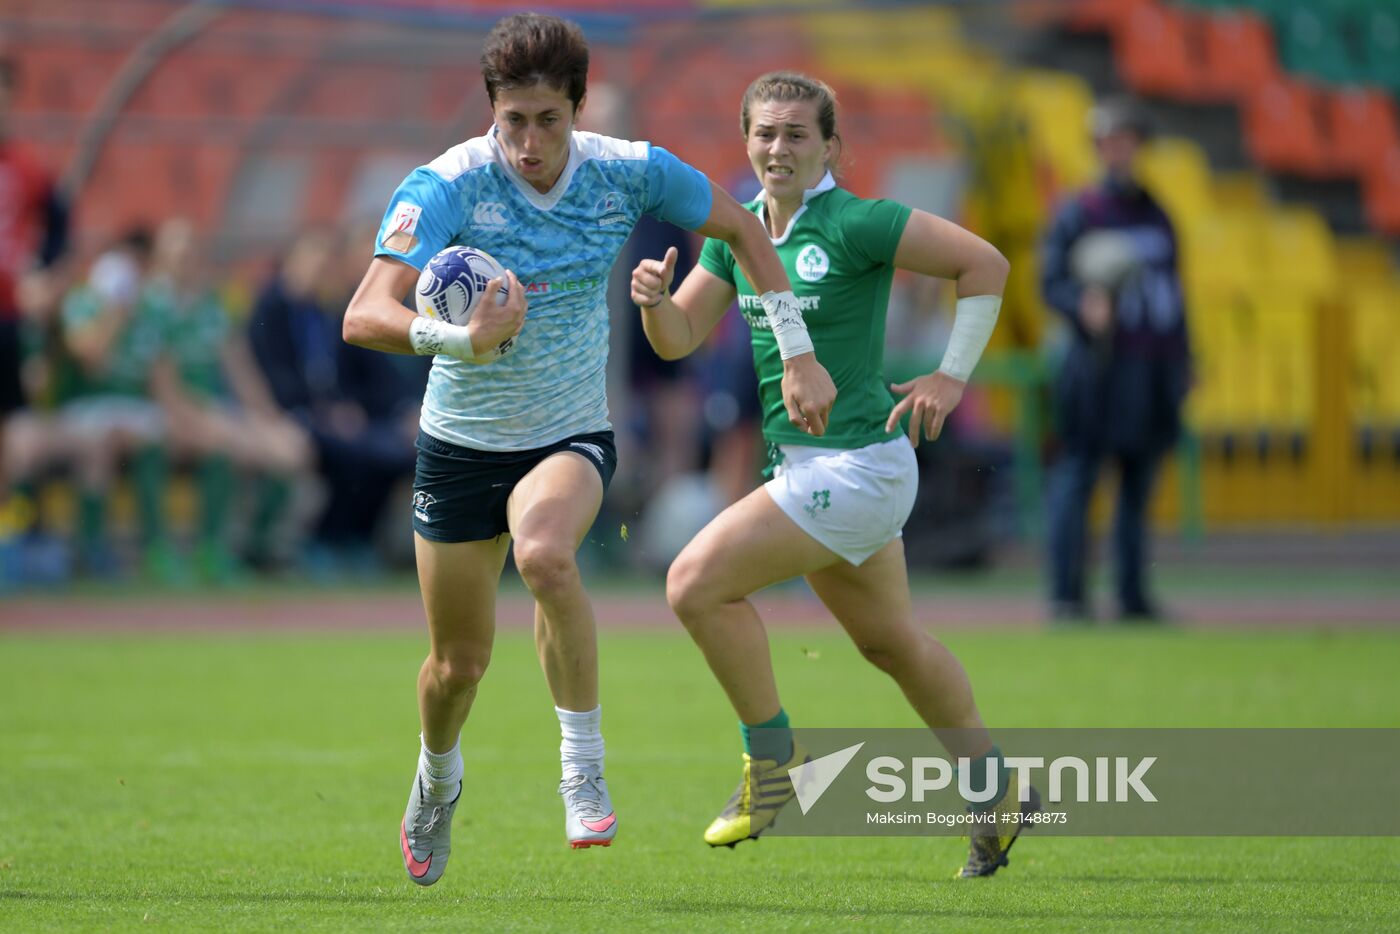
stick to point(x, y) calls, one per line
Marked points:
point(1104, 258)
point(453, 284)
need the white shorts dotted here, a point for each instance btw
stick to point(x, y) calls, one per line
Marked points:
point(852, 501)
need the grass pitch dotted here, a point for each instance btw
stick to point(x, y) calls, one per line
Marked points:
point(253, 782)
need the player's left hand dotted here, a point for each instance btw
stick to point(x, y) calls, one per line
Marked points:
point(930, 398)
point(808, 393)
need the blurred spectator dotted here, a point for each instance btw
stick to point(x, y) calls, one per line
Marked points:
point(33, 236)
point(94, 364)
point(1110, 267)
point(219, 411)
point(360, 409)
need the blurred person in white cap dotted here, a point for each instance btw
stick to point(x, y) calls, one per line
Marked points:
point(1109, 267)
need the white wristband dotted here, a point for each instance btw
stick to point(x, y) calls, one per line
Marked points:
point(430, 336)
point(973, 320)
point(785, 318)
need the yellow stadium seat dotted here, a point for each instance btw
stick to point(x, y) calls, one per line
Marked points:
point(1364, 261)
point(1240, 367)
point(1056, 108)
point(1239, 192)
point(1375, 343)
point(1206, 405)
point(1220, 250)
point(1285, 327)
point(1298, 251)
point(1174, 169)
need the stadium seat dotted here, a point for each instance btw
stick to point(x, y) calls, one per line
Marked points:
point(1297, 252)
point(65, 79)
point(1282, 132)
point(1285, 340)
point(1364, 261)
point(1381, 190)
point(1175, 170)
point(1055, 106)
point(1381, 35)
point(1220, 253)
point(1101, 15)
point(1154, 52)
point(1310, 41)
point(1361, 128)
point(1237, 55)
point(1375, 343)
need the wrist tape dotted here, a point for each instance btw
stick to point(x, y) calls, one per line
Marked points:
point(785, 318)
point(428, 336)
point(973, 321)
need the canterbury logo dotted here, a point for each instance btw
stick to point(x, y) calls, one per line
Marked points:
point(421, 502)
point(490, 214)
point(592, 450)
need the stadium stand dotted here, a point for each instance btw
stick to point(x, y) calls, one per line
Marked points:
point(323, 103)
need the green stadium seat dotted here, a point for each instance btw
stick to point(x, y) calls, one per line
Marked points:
point(1381, 34)
point(1310, 39)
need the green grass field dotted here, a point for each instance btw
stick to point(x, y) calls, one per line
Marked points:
point(252, 782)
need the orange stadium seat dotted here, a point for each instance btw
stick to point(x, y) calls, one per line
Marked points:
point(1237, 55)
point(1282, 132)
point(64, 78)
point(1381, 189)
point(1361, 128)
point(1153, 52)
point(1102, 15)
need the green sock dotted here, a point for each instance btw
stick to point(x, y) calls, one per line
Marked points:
point(981, 770)
point(771, 739)
point(215, 494)
point(148, 472)
point(92, 522)
point(274, 493)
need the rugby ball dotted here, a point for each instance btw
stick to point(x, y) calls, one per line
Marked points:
point(1104, 258)
point(453, 284)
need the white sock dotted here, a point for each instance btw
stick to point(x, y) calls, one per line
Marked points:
point(441, 771)
point(581, 749)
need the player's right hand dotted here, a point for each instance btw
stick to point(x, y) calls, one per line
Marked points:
point(651, 280)
point(808, 393)
point(493, 324)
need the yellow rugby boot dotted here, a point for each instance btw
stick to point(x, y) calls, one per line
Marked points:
point(761, 794)
point(990, 843)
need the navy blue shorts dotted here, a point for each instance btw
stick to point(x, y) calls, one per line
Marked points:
point(460, 494)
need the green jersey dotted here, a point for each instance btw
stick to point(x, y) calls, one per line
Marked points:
point(838, 251)
point(196, 328)
point(134, 350)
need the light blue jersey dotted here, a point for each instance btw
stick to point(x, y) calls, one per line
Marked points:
point(562, 246)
